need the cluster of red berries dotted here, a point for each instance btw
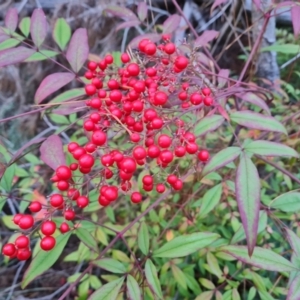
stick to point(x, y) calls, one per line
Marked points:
point(132, 100)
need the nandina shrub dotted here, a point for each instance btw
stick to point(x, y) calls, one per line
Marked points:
point(142, 143)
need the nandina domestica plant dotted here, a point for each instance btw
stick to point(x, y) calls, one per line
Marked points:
point(142, 120)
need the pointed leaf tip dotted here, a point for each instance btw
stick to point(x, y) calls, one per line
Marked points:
point(38, 27)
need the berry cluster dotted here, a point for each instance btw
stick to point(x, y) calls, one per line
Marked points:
point(131, 100)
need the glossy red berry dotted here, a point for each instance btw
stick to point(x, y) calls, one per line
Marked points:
point(82, 201)
point(160, 188)
point(150, 49)
point(135, 137)
point(208, 101)
point(157, 123)
point(203, 155)
point(206, 91)
point(142, 44)
point(181, 62)
point(125, 58)
point(90, 90)
point(72, 146)
point(128, 165)
point(171, 179)
point(136, 197)
point(23, 254)
point(191, 148)
point(22, 242)
point(166, 156)
point(47, 243)
point(69, 214)
point(86, 161)
point(109, 59)
point(139, 153)
point(48, 227)
point(133, 69)
point(178, 185)
point(164, 141)
point(73, 166)
point(26, 222)
point(92, 66)
point(153, 151)
point(115, 96)
point(99, 138)
point(16, 218)
point(63, 173)
point(180, 151)
point(88, 125)
point(62, 185)
point(147, 180)
point(35, 206)
point(111, 193)
point(196, 98)
point(8, 249)
point(56, 200)
point(160, 98)
point(169, 48)
point(64, 227)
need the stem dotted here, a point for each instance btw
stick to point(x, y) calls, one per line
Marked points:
point(22, 115)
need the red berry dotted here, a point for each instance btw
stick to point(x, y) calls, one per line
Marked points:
point(208, 101)
point(16, 218)
point(206, 91)
point(73, 166)
point(180, 151)
point(181, 62)
point(96, 103)
point(115, 96)
point(171, 179)
point(128, 165)
point(88, 75)
point(84, 170)
point(153, 151)
point(103, 201)
point(164, 141)
point(148, 188)
point(90, 90)
point(178, 185)
point(95, 117)
point(117, 156)
point(77, 153)
point(147, 180)
point(82, 201)
point(9, 249)
point(191, 148)
point(22, 242)
point(203, 155)
point(35, 206)
point(56, 200)
point(63, 185)
point(111, 193)
point(73, 194)
point(150, 49)
point(182, 95)
point(69, 214)
point(142, 44)
point(125, 58)
point(136, 197)
point(96, 82)
point(109, 59)
point(107, 160)
point(64, 227)
point(90, 148)
point(160, 188)
point(88, 125)
point(23, 254)
point(139, 153)
point(135, 137)
point(151, 72)
point(99, 138)
point(108, 173)
point(125, 176)
point(47, 243)
point(48, 227)
point(86, 161)
point(92, 66)
point(157, 123)
point(196, 98)
point(26, 222)
point(125, 186)
point(190, 137)
point(160, 98)
point(72, 146)
point(166, 156)
point(169, 48)
point(63, 173)
point(133, 69)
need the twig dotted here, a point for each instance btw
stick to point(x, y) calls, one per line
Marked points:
point(22, 264)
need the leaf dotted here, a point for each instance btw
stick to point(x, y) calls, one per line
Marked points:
point(41, 55)
point(216, 4)
point(294, 290)
point(221, 159)
point(111, 265)
point(208, 124)
point(44, 260)
point(9, 43)
point(152, 279)
point(223, 77)
point(186, 244)
point(288, 202)
point(295, 13)
point(121, 12)
point(142, 11)
point(69, 95)
point(87, 238)
point(52, 153)
point(294, 241)
point(255, 100)
point(213, 265)
point(261, 258)
point(128, 24)
point(206, 37)
point(247, 188)
point(6, 181)
point(284, 48)
point(210, 199)
point(78, 50)
point(15, 55)
point(154, 37)
point(205, 295)
point(257, 121)
point(38, 27)
point(171, 24)
point(11, 19)
point(51, 84)
point(267, 148)
point(25, 26)
point(61, 33)
point(133, 289)
point(207, 283)
point(143, 239)
point(179, 276)
point(108, 291)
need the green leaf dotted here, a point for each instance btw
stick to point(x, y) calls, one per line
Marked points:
point(133, 289)
point(261, 258)
point(44, 260)
point(7, 178)
point(69, 95)
point(267, 148)
point(2, 202)
point(41, 55)
point(247, 186)
point(179, 276)
point(108, 291)
point(208, 124)
point(285, 48)
point(9, 43)
point(288, 202)
point(205, 295)
point(255, 120)
point(207, 283)
point(152, 279)
point(110, 265)
point(87, 238)
point(213, 265)
point(61, 33)
point(210, 199)
point(186, 244)
point(143, 239)
point(294, 290)
point(25, 26)
point(294, 241)
point(221, 159)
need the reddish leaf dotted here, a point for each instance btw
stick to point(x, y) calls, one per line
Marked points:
point(223, 112)
point(294, 290)
point(78, 50)
point(14, 55)
point(51, 84)
point(247, 186)
point(121, 12)
point(154, 37)
point(11, 19)
point(38, 27)
point(69, 109)
point(217, 3)
point(171, 24)
point(52, 153)
point(128, 24)
point(256, 100)
point(295, 14)
point(206, 37)
point(3, 37)
point(26, 146)
point(142, 11)
point(223, 77)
